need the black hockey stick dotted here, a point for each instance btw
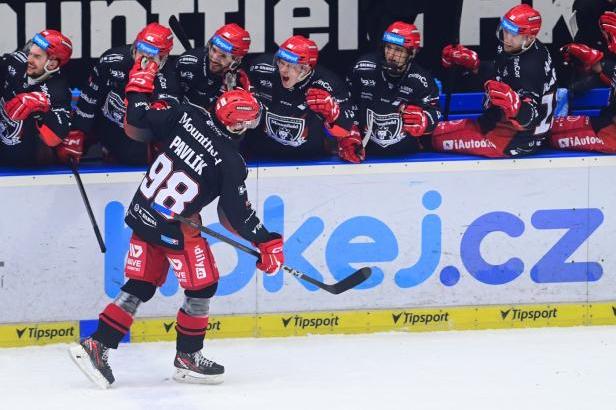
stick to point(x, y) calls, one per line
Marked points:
point(86, 202)
point(179, 32)
point(345, 284)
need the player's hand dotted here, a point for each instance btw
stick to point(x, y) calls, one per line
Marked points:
point(322, 102)
point(350, 148)
point(141, 77)
point(71, 147)
point(22, 105)
point(587, 56)
point(414, 120)
point(242, 80)
point(272, 256)
point(461, 56)
point(159, 105)
point(501, 95)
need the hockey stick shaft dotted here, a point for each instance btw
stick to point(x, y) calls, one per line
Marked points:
point(179, 32)
point(86, 202)
point(347, 283)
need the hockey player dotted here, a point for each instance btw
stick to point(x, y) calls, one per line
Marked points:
point(101, 107)
point(205, 73)
point(306, 104)
point(396, 100)
point(520, 95)
point(198, 163)
point(36, 100)
point(580, 132)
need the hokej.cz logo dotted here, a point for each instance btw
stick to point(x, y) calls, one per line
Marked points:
point(340, 253)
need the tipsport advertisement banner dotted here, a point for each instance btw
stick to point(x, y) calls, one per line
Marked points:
point(437, 234)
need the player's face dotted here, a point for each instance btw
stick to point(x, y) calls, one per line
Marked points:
point(291, 74)
point(37, 57)
point(513, 43)
point(220, 61)
point(396, 56)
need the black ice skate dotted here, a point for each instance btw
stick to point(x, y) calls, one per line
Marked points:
point(91, 356)
point(194, 368)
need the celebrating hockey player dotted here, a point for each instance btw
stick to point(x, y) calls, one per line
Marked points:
point(36, 100)
point(306, 104)
point(101, 107)
point(580, 132)
point(396, 100)
point(205, 73)
point(519, 96)
point(198, 163)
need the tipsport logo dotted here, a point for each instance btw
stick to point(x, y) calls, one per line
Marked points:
point(301, 322)
point(412, 319)
point(340, 251)
point(521, 315)
point(35, 333)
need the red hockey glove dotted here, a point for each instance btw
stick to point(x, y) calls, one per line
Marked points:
point(242, 80)
point(141, 80)
point(587, 56)
point(71, 147)
point(322, 102)
point(414, 120)
point(159, 105)
point(501, 95)
point(272, 256)
point(22, 105)
point(350, 147)
point(459, 55)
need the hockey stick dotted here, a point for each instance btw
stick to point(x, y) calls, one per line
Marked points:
point(345, 284)
point(86, 202)
point(179, 32)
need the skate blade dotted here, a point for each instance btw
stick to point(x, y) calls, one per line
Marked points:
point(82, 360)
point(187, 376)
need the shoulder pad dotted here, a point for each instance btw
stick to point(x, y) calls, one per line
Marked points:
point(188, 59)
point(263, 68)
point(111, 58)
point(365, 65)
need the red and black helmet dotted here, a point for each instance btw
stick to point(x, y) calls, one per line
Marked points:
point(232, 39)
point(403, 34)
point(607, 23)
point(299, 50)
point(55, 44)
point(154, 40)
point(522, 19)
point(238, 107)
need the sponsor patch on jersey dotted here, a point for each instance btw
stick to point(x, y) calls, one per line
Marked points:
point(188, 59)
point(384, 129)
point(169, 240)
point(285, 130)
point(365, 65)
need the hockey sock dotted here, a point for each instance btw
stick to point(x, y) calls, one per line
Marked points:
point(114, 322)
point(191, 332)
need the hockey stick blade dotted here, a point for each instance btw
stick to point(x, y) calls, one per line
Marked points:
point(345, 284)
point(179, 32)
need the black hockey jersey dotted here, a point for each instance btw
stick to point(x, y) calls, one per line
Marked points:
point(289, 129)
point(19, 139)
point(198, 162)
point(377, 98)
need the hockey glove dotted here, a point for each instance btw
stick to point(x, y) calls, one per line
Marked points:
point(501, 95)
point(272, 256)
point(22, 105)
point(71, 147)
point(461, 56)
point(587, 56)
point(350, 147)
point(242, 80)
point(322, 103)
point(414, 120)
point(141, 79)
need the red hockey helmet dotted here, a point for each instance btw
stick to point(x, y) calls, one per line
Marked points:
point(238, 110)
point(522, 19)
point(55, 44)
point(607, 23)
point(402, 34)
point(232, 39)
point(299, 50)
point(154, 40)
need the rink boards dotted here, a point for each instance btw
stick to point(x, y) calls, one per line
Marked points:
point(341, 322)
point(471, 239)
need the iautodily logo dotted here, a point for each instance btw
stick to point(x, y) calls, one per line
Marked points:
point(410, 318)
point(312, 323)
point(47, 334)
point(521, 315)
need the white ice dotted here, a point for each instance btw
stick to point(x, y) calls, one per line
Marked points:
point(558, 368)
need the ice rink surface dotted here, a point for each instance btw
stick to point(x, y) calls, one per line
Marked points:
point(557, 368)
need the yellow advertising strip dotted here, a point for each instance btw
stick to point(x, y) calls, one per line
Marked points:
point(339, 322)
point(29, 334)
